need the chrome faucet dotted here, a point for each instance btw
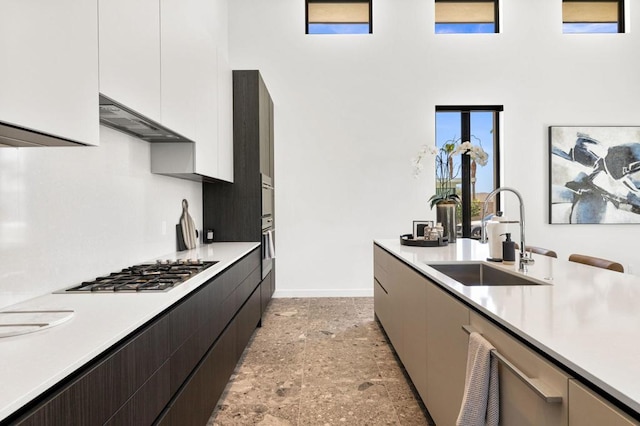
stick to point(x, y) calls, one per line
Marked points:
point(524, 259)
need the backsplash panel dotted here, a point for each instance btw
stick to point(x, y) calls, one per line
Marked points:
point(70, 214)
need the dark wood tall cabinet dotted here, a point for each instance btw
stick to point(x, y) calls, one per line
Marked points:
point(235, 211)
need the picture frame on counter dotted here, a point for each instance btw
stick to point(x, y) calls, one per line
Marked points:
point(419, 227)
point(594, 174)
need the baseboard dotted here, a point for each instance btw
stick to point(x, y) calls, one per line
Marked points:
point(349, 292)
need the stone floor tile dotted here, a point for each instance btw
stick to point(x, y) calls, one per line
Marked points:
point(328, 412)
point(275, 352)
point(319, 361)
point(255, 414)
point(411, 413)
point(268, 384)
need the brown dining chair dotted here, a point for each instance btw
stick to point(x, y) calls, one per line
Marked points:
point(539, 250)
point(542, 251)
point(597, 262)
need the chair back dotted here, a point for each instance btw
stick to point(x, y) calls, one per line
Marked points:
point(542, 251)
point(597, 262)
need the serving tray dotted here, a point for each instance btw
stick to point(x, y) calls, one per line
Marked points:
point(408, 240)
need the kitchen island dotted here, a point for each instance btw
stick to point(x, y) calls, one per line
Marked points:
point(108, 327)
point(582, 321)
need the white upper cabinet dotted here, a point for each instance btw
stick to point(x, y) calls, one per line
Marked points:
point(182, 42)
point(49, 67)
point(225, 119)
point(130, 54)
point(196, 99)
point(206, 113)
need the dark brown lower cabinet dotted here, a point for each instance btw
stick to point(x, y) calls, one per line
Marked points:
point(198, 397)
point(267, 288)
point(171, 371)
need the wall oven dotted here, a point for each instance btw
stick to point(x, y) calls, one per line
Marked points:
point(267, 196)
point(268, 245)
point(268, 231)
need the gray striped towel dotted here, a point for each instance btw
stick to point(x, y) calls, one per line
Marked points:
point(481, 400)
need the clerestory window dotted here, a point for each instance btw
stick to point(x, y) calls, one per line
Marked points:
point(588, 16)
point(339, 17)
point(464, 17)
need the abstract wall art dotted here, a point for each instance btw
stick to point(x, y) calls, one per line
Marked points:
point(594, 174)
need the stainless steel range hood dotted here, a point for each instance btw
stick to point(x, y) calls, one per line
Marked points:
point(126, 120)
point(16, 136)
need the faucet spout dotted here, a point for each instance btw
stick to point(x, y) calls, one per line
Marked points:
point(524, 260)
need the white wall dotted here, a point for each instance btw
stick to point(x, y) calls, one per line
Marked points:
point(350, 111)
point(70, 214)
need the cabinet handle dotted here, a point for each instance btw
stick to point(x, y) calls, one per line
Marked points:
point(538, 386)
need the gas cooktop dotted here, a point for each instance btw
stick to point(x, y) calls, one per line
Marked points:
point(148, 277)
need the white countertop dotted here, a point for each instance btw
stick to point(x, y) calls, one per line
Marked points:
point(588, 319)
point(32, 363)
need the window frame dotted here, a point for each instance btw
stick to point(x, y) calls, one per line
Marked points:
point(465, 135)
point(496, 14)
point(306, 14)
point(621, 12)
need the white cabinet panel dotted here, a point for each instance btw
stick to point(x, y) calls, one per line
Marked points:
point(189, 83)
point(130, 54)
point(180, 45)
point(49, 71)
point(225, 118)
point(206, 114)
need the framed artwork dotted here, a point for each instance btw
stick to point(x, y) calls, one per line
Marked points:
point(419, 225)
point(594, 174)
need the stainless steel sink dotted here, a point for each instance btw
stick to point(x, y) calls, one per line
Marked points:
point(480, 274)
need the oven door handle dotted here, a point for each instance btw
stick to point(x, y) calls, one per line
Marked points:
point(268, 246)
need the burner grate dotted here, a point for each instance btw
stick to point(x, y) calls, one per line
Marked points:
point(148, 277)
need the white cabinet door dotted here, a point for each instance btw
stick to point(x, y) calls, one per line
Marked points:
point(49, 71)
point(586, 408)
point(225, 118)
point(180, 45)
point(189, 70)
point(206, 114)
point(130, 54)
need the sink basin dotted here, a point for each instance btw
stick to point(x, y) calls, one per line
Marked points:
point(480, 274)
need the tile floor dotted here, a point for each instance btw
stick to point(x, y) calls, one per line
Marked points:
point(321, 361)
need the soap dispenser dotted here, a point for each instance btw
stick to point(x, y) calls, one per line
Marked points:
point(508, 249)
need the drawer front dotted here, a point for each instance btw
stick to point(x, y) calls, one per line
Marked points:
point(519, 404)
point(98, 394)
point(381, 303)
point(147, 403)
point(383, 267)
point(235, 300)
point(588, 408)
point(231, 278)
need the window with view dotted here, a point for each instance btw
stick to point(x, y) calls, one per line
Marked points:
point(339, 17)
point(466, 17)
point(472, 180)
point(585, 16)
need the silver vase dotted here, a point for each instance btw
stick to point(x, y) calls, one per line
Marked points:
point(446, 214)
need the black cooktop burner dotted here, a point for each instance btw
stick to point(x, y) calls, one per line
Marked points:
point(159, 276)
